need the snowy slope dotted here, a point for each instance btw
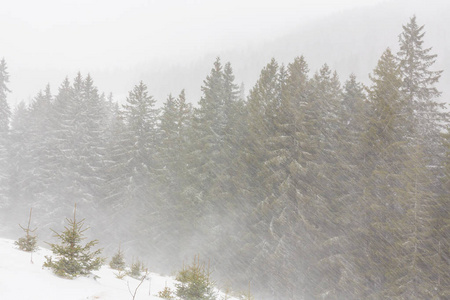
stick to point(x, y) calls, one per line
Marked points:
point(22, 280)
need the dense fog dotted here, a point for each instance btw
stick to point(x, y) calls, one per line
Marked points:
point(306, 184)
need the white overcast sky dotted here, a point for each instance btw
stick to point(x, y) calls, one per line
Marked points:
point(98, 34)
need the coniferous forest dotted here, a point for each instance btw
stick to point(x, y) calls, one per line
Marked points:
point(309, 186)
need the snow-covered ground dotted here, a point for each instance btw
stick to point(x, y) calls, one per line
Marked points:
point(22, 280)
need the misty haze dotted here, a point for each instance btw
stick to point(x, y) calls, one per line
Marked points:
point(204, 150)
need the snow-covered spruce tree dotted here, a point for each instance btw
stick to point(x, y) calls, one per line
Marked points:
point(175, 123)
point(32, 149)
point(419, 85)
point(28, 242)
point(72, 257)
point(195, 282)
point(415, 63)
point(21, 169)
point(140, 167)
point(5, 114)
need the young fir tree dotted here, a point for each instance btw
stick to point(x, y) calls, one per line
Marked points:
point(136, 269)
point(72, 257)
point(28, 242)
point(195, 283)
point(117, 262)
point(166, 294)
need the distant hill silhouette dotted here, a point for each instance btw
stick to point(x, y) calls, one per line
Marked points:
point(349, 42)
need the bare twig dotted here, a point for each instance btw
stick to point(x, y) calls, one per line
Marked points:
point(139, 285)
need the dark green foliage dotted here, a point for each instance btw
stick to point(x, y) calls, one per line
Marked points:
point(72, 258)
point(27, 243)
point(176, 122)
point(442, 225)
point(195, 282)
point(414, 63)
point(384, 149)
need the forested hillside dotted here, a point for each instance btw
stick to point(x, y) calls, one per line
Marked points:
point(309, 187)
point(349, 42)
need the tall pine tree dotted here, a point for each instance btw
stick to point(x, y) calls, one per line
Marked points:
point(384, 146)
point(140, 144)
point(419, 86)
point(5, 114)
